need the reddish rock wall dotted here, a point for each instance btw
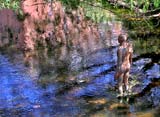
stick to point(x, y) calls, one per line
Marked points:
point(10, 28)
point(46, 24)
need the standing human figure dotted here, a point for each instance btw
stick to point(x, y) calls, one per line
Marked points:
point(124, 61)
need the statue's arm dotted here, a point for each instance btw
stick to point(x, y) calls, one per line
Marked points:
point(119, 58)
point(131, 53)
point(130, 58)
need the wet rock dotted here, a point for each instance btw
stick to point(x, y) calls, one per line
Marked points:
point(154, 72)
point(100, 57)
point(76, 61)
point(141, 114)
point(118, 105)
point(155, 96)
point(139, 64)
point(98, 101)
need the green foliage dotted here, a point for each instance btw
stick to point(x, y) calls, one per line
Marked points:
point(96, 14)
point(156, 3)
point(73, 4)
point(148, 45)
point(144, 4)
point(10, 4)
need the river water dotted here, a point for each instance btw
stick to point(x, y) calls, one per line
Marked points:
point(76, 81)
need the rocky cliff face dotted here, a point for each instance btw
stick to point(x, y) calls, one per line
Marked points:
point(10, 28)
point(48, 25)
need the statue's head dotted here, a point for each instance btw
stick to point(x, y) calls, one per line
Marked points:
point(122, 38)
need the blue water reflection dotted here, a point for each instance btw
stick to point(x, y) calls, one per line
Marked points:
point(17, 87)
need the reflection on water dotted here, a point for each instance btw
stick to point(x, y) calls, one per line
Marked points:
point(77, 80)
point(17, 88)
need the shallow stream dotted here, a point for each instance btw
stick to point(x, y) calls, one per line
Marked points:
point(78, 81)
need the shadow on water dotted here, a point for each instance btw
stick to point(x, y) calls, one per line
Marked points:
point(79, 81)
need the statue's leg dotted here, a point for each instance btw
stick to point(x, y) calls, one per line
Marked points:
point(126, 84)
point(120, 84)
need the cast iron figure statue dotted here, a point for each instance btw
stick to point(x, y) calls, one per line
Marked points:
point(124, 61)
